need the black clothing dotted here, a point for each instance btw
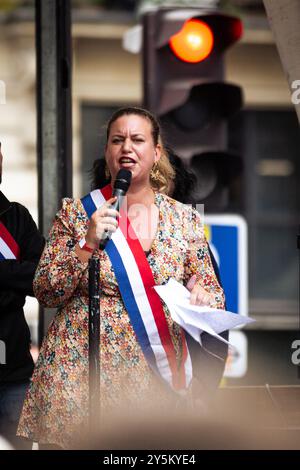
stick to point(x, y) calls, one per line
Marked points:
point(11, 402)
point(16, 277)
point(208, 361)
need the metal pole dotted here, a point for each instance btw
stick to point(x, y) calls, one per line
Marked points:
point(94, 346)
point(149, 62)
point(54, 121)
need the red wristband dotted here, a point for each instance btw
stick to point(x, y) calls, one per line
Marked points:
point(84, 246)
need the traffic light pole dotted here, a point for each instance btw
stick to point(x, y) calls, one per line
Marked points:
point(149, 65)
point(54, 118)
point(94, 346)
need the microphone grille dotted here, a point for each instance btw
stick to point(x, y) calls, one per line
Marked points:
point(123, 180)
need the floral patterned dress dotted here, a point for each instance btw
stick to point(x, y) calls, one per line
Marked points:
point(56, 405)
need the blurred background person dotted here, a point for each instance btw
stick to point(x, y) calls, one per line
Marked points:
point(21, 246)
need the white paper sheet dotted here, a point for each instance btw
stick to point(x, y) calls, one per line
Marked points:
point(194, 318)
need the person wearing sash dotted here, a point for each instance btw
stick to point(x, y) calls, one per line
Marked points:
point(209, 360)
point(144, 355)
point(21, 246)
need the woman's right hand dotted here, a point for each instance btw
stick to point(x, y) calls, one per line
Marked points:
point(103, 220)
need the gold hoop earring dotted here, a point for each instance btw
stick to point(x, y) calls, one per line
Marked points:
point(155, 173)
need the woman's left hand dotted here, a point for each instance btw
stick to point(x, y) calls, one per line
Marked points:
point(199, 296)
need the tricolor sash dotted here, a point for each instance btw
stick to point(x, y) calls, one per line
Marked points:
point(9, 249)
point(135, 280)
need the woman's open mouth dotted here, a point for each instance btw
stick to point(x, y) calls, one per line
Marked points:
point(126, 162)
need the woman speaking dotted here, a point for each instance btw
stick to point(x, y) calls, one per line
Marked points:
point(143, 352)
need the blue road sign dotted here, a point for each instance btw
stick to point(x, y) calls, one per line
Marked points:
point(227, 237)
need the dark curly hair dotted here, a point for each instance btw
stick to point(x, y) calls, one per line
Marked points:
point(97, 174)
point(185, 180)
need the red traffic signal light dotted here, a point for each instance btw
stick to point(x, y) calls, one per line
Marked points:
point(194, 42)
point(184, 85)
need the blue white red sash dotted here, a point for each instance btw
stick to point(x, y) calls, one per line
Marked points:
point(9, 249)
point(144, 307)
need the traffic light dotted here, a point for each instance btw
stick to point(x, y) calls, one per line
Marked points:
point(183, 66)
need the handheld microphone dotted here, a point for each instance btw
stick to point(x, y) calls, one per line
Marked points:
point(121, 185)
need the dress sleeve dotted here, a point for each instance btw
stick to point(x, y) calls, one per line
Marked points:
point(198, 260)
point(60, 270)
